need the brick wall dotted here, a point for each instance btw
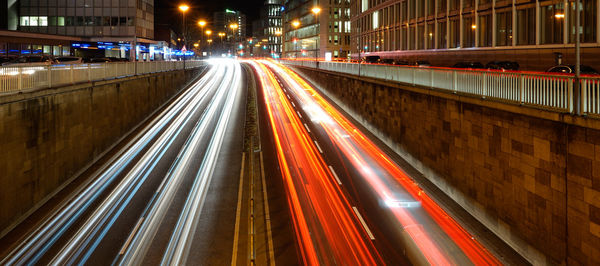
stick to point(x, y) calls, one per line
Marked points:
point(47, 136)
point(532, 176)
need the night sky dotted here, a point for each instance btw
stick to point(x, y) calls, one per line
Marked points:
point(166, 10)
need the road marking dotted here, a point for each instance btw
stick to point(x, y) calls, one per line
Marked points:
point(306, 126)
point(363, 223)
point(267, 215)
point(293, 104)
point(299, 114)
point(130, 238)
point(288, 96)
point(238, 213)
point(335, 175)
point(318, 147)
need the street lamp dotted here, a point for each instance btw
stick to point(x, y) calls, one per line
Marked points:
point(296, 24)
point(234, 27)
point(316, 10)
point(208, 32)
point(183, 8)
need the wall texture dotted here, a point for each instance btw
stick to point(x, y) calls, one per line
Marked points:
point(47, 136)
point(531, 176)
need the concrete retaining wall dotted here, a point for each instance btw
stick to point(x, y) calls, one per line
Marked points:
point(531, 176)
point(47, 136)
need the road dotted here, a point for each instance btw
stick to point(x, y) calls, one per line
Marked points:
point(350, 202)
point(170, 188)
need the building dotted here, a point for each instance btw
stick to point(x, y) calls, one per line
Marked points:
point(110, 28)
point(533, 33)
point(268, 28)
point(222, 24)
point(324, 34)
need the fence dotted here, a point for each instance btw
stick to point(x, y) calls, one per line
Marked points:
point(536, 89)
point(16, 78)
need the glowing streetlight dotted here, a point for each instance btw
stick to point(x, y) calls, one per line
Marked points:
point(196, 45)
point(559, 16)
point(233, 26)
point(278, 33)
point(316, 10)
point(296, 23)
point(208, 32)
point(473, 26)
point(202, 23)
point(184, 8)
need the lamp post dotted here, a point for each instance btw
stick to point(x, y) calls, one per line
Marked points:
point(296, 24)
point(208, 34)
point(183, 8)
point(578, 92)
point(234, 27)
point(316, 10)
point(201, 23)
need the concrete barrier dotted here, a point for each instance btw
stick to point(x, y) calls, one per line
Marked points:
point(47, 136)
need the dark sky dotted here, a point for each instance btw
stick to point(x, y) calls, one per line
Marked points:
point(166, 10)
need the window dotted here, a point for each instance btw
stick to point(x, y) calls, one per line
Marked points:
point(25, 21)
point(430, 36)
point(441, 35)
point(588, 21)
point(504, 28)
point(442, 6)
point(485, 30)
point(469, 29)
point(526, 30)
point(454, 4)
point(454, 33)
point(43, 21)
point(552, 18)
point(420, 37)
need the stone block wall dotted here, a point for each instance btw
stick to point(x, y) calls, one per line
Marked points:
point(531, 176)
point(48, 136)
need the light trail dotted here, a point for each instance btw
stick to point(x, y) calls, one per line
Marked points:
point(326, 227)
point(406, 201)
point(153, 140)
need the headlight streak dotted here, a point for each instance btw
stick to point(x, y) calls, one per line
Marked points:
point(143, 238)
point(35, 245)
point(84, 242)
point(180, 244)
point(326, 228)
point(366, 156)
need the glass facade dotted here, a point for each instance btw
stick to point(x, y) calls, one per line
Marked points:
point(446, 24)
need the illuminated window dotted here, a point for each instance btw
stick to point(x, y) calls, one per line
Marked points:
point(24, 21)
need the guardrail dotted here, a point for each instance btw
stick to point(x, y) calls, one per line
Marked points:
point(16, 78)
point(526, 88)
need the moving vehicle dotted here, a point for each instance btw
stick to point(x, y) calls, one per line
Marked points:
point(570, 69)
point(469, 65)
point(32, 60)
point(502, 65)
point(372, 59)
point(68, 60)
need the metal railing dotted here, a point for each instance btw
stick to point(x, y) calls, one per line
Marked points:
point(526, 88)
point(17, 78)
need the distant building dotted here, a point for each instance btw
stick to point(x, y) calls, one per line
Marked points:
point(269, 27)
point(118, 23)
point(322, 35)
point(444, 32)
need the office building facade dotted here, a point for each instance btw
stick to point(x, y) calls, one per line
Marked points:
point(268, 28)
point(531, 32)
point(325, 34)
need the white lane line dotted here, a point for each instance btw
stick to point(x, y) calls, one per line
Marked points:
point(288, 96)
point(306, 126)
point(293, 104)
point(318, 147)
point(299, 114)
point(362, 221)
point(137, 226)
point(335, 175)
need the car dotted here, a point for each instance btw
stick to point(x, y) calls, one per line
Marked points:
point(469, 65)
point(387, 61)
point(68, 60)
point(502, 65)
point(372, 59)
point(401, 63)
point(422, 63)
point(32, 60)
point(6, 59)
point(570, 69)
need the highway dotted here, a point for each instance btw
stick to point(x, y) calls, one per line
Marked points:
point(157, 196)
point(350, 202)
